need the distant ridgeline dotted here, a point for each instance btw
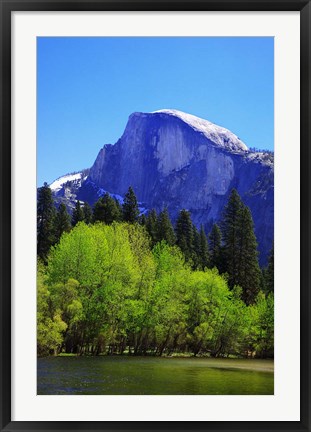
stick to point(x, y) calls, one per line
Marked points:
point(178, 161)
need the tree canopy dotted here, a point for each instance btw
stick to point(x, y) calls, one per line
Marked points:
point(105, 291)
point(137, 286)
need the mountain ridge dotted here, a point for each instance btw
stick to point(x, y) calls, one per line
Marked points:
point(176, 160)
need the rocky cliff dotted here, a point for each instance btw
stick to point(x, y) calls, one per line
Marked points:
point(177, 160)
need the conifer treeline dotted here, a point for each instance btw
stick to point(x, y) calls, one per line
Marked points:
point(231, 246)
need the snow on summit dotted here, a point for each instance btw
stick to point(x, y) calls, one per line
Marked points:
point(217, 134)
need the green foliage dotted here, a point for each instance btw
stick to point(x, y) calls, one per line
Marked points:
point(130, 207)
point(196, 249)
point(214, 240)
point(259, 338)
point(50, 326)
point(105, 291)
point(143, 220)
point(45, 221)
point(164, 228)
point(106, 210)
point(77, 214)
point(230, 236)
point(240, 248)
point(112, 264)
point(62, 222)
point(269, 274)
point(249, 274)
point(203, 252)
point(111, 286)
point(185, 234)
point(152, 226)
point(87, 213)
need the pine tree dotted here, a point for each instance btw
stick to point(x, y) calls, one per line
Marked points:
point(240, 248)
point(119, 209)
point(230, 230)
point(204, 253)
point(165, 230)
point(269, 274)
point(263, 280)
point(152, 226)
point(62, 222)
point(130, 207)
point(249, 273)
point(106, 210)
point(196, 252)
point(184, 234)
point(77, 214)
point(87, 213)
point(98, 211)
point(143, 220)
point(45, 221)
point(214, 241)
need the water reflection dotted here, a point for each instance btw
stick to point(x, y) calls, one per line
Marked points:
point(154, 376)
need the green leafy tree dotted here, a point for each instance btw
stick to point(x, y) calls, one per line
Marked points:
point(259, 339)
point(62, 222)
point(113, 269)
point(229, 326)
point(130, 207)
point(77, 214)
point(45, 221)
point(104, 290)
point(50, 326)
point(165, 230)
point(65, 297)
point(168, 307)
point(214, 240)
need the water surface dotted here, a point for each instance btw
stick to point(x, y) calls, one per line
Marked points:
point(153, 376)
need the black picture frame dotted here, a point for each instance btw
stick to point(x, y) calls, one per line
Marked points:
point(6, 8)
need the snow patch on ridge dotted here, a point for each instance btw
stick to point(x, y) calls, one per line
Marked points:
point(265, 158)
point(217, 134)
point(58, 183)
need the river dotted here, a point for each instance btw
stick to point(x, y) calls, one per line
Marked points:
point(124, 375)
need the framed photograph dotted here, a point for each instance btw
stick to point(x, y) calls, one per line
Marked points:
point(155, 215)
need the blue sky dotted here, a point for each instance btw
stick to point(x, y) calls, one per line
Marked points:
point(88, 87)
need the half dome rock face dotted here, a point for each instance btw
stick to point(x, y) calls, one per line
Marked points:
point(176, 160)
point(216, 134)
point(158, 145)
